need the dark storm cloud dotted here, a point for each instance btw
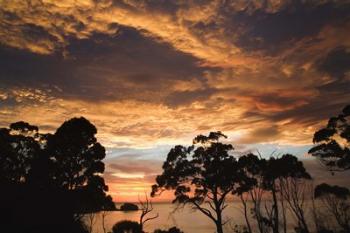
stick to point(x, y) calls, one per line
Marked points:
point(336, 62)
point(102, 67)
point(315, 110)
point(272, 31)
point(180, 98)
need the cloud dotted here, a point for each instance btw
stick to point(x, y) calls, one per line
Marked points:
point(265, 134)
point(103, 67)
point(336, 63)
point(271, 31)
point(151, 74)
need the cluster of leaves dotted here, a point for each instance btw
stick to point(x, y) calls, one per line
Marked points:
point(332, 142)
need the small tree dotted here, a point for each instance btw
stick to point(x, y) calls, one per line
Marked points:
point(296, 191)
point(104, 214)
point(332, 142)
point(204, 173)
point(170, 230)
point(91, 217)
point(146, 208)
point(126, 226)
point(335, 199)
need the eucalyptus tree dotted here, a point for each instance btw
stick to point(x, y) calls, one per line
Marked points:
point(202, 175)
point(332, 142)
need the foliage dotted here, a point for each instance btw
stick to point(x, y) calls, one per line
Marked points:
point(332, 142)
point(126, 226)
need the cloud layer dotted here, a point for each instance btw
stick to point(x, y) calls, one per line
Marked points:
point(156, 73)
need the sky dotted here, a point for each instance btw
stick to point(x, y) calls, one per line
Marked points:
point(150, 74)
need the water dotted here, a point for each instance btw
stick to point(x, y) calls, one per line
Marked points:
point(186, 219)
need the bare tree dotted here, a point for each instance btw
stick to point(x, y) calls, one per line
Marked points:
point(296, 191)
point(91, 219)
point(251, 188)
point(244, 200)
point(104, 214)
point(146, 208)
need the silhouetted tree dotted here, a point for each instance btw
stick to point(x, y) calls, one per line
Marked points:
point(146, 208)
point(19, 146)
point(204, 173)
point(126, 226)
point(332, 142)
point(91, 217)
point(335, 199)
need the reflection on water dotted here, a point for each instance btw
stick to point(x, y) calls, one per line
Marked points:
point(186, 219)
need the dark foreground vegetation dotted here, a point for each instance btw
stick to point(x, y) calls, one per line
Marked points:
point(51, 181)
point(48, 181)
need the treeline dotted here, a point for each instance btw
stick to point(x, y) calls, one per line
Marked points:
point(50, 182)
point(205, 174)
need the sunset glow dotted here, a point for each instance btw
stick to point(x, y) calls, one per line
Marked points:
point(153, 74)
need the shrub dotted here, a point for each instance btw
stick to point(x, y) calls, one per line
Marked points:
point(170, 230)
point(126, 226)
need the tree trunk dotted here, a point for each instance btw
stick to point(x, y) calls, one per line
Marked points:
point(219, 227)
point(246, 214)
point(219, 219)
point(275, 220)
